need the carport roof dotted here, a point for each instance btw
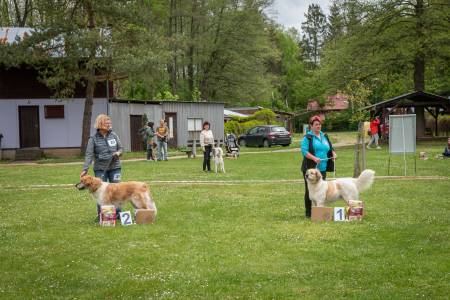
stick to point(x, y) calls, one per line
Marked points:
point(418, 98)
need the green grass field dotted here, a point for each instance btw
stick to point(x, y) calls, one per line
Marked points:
point(237, 235)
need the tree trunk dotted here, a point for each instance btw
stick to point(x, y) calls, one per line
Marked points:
point(171, 66)
point(87, 115)
point(191, 50)
point(90, 87)
point(419, 66)
point(419, 59)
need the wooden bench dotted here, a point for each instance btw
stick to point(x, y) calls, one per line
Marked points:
point(190, 145)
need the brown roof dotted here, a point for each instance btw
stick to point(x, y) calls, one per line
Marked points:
point(334, 102)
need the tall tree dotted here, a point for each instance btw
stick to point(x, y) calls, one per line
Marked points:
point(335, 24)
point(88, 42)
point(314, 29)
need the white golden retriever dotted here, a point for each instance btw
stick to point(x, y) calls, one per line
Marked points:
point(322, 191)
point(218, 159)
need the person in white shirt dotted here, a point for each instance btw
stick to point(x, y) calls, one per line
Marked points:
point(207, 142)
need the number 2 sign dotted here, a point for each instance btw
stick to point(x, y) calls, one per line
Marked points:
point(125, 218)
point(339, 214)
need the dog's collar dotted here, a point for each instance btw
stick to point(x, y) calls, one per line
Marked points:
point(95, 189)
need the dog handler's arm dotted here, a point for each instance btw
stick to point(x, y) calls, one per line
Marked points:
point(119, 147)
point(202, 140)
point(313, 158)
point(305, 152)
point(88, 156)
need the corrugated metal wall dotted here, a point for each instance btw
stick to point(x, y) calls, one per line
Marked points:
point(212, 112)
point(120, 115)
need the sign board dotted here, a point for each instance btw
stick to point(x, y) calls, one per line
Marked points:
point(107, 215)
point(339, 214)
point(125, 218)
point(402, 134)
point(305, 128)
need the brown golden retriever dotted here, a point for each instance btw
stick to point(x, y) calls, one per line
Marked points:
point(117, 194)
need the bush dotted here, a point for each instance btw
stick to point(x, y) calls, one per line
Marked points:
point(239, 128)
point(265, 115)
point(239, 125)
point(232, 127)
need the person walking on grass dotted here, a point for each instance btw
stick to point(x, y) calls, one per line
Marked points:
point(374, 133)
point(104, 148)
point(316, 150)
point(206, 142)
point(162, 133)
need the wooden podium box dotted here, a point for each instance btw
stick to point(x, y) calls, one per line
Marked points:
point(322, 214)
point(145, 216)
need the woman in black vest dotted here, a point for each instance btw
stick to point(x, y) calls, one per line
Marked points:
point(317, 153)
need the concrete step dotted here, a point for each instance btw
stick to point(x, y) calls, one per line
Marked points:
point(29, 154)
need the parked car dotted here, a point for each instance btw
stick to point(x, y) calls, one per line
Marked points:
point(265, 136)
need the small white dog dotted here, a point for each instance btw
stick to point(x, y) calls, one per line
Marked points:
point(322, 191)
point(218, 159)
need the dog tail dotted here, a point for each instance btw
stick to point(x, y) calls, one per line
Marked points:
point(365, 180)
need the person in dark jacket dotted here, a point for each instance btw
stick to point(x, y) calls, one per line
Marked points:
point(447, 149)
point(149, 134)
point(104, 148)
point(315, 147)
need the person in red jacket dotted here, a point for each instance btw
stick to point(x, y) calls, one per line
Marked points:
point(374, 133)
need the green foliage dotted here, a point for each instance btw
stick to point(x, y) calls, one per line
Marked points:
point(358, 97)
point(232, 126)
point(265, 115)
point(166, 95)
point(288, 67)
point(384, 43)
point(339, 121)
point(241, 125)
point(230, 51)
point(196, 94)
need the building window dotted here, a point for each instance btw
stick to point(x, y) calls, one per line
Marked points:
point(195, 124)
point(54, 111)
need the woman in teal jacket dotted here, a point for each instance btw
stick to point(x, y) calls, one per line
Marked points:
point(315, 147)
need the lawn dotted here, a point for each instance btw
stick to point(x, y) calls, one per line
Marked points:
point(236, 235)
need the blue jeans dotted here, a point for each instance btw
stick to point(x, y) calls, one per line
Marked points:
point(112, 176)
point(162, 150)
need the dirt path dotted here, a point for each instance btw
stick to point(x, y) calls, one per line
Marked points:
point(222, 182)
point(27, 163)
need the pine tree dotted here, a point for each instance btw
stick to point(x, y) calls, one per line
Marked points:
point(314, 29)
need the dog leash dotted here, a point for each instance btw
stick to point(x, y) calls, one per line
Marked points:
point(334, 165)
point(107, 166)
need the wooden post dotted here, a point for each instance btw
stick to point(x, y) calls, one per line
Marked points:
point(357, 166)
point(436, 122)
point(363, 147)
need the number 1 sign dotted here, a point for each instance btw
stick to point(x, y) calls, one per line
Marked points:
point(339, 214)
